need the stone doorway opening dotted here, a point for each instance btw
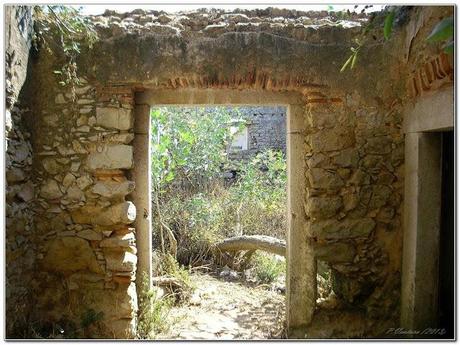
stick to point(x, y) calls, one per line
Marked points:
point(428, 264)
point(297, 284)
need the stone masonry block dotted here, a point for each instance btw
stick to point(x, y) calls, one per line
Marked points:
point(332, 139)
point(120, 261)
point(116, 304)
point(70, 254)
point(124, 213)
point(121, 241)
point(112, 189)
point(341, 229)
point(335, 252)
point(118, 118)
point(323, 207)
point(347, 158)
point(379, 145)
point(111, 157)
point(324, 179)
point(322, 120)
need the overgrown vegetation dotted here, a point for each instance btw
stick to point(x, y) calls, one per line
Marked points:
point(267, 267)
point(187, 154)
point(194, 202)
point(64, 31)
point(167, 266)
point(443, 32)
point(153, 312)
point(155, 303)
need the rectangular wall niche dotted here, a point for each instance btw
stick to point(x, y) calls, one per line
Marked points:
point(301, 265)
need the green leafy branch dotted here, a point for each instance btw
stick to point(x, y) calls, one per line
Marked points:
point(388, 25)
point(65, 30)
point(351, 61)
point(359, 42)
point(444, 31)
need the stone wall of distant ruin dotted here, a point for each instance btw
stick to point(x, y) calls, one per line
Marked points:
point(266, 129)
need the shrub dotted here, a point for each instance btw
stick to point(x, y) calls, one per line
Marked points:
point(256, 202)
point(167, 266)
point(267, 267)
point(153, 312)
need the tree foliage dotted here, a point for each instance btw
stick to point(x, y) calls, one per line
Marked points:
point(444, 31)
point(388, 24)
point(262, 180)
point(188, 143)
point(65, 31)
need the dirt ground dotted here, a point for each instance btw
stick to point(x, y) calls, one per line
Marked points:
point(221, 309)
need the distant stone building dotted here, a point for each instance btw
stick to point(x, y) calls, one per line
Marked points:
point(264, 128)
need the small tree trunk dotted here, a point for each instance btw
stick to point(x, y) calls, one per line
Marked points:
point(252, 243)
point(162, 225)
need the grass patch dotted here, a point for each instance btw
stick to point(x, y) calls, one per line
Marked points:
point(153, 312)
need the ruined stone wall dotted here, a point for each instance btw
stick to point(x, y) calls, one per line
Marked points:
point(266, 130)
point(355, 155)
point(159, 41)
point(87, 247)
point(311, 26)
point(375, 190)
point(83, 158)
point(19, 239)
